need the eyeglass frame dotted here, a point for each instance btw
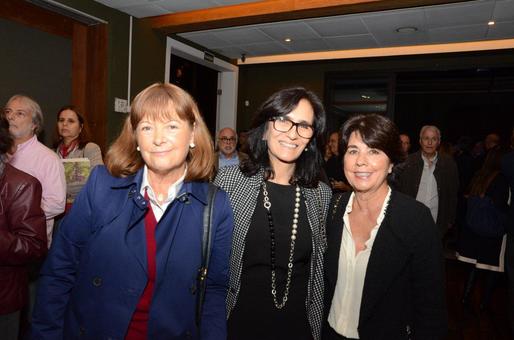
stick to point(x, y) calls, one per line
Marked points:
point(227, 139)
point(293, 124)
point(16, 114)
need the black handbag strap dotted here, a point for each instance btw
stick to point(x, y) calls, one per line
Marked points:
point(206, 250)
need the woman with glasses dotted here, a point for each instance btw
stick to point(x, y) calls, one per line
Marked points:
point(279, 204)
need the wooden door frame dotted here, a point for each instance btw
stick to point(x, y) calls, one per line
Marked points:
point(89, 59)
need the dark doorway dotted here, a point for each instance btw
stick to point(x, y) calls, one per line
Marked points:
point(201, 82)
point(471, 102)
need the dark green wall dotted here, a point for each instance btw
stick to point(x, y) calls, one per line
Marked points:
point(37, 64)
point(257, 82)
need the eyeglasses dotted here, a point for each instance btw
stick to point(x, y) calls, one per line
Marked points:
point(282, 124)
point(227, 140)
point(15, 114)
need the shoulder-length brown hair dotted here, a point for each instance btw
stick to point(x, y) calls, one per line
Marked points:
point(84, 135)
point(162, 102)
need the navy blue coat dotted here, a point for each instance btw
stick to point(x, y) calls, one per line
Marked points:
point(96, 270)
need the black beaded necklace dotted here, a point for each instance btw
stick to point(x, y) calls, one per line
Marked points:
point(294, 231)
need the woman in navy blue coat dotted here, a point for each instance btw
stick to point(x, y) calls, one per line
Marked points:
point(124, 264)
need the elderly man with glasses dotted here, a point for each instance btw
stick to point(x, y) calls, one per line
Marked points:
point(226, 153)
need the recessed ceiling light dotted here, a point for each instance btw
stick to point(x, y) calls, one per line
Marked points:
point(288, 39)
point(490, 23)
point(407, 29)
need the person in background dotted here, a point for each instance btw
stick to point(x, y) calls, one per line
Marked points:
point(491, 141)
point(334, 165)
point(25, 122)
point(22, 236)
point(280, 205)
point(242, 140)
point(432, 179)
point(485, 253)
point(227, 154)
point(405, 139)
point(384, 261)
point(73, 141)
point(394, 176)
point(31, 156)
point(125, 262)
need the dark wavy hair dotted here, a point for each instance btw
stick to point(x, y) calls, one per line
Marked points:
point(6, 141)
point(377, 132)
point(309, 164)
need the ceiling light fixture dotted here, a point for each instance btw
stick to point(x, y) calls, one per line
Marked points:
point(406, 29)
point(288, 39)
point(491, 23)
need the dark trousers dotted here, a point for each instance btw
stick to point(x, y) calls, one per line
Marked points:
point(330, 334)
point(509, 268)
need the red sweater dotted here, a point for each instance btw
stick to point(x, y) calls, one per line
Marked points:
point(138, 327)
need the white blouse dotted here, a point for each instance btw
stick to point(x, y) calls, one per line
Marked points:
point(173, 190)
point(346, 303)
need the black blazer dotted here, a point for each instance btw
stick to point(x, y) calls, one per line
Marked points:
point(447, 178)
point(404, 293)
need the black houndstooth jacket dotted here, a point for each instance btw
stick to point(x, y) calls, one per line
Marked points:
point(243, 192)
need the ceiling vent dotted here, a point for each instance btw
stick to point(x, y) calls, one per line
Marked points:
point(67, 11)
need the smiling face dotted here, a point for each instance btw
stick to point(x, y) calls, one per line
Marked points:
point(429, 142)
point(286, 147)
point(365, 168)
point(68, 125)
point(21, 125)
point(164, 145)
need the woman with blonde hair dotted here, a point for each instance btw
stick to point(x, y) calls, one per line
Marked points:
point(125, 262)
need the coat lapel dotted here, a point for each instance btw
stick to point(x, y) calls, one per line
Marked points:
point(135, 235)
point(388, 258)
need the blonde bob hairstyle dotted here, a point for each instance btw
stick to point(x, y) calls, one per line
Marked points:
point(162, 102)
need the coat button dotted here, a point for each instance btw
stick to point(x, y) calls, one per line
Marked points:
point(97, 281)
point(82, 331)
point(189, 335)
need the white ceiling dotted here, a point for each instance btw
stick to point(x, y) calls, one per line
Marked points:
point(460, 22)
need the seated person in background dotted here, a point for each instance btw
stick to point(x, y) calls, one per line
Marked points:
point(22, 236)
point(227, 153)
point(334, 165)
point(73, 141)
point(25, 122)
